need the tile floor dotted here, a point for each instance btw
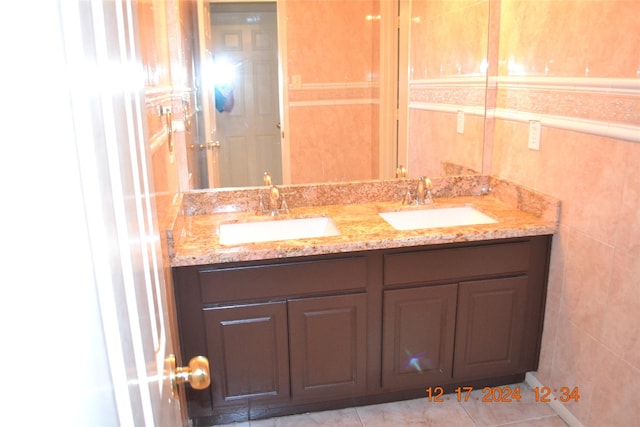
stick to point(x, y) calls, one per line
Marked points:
point(420, 412)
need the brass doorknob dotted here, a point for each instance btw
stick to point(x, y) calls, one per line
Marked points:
point(196, 374)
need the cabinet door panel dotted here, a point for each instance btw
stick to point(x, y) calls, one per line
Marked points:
point(490, 327)
point(328, 346)
point(417, 336)
point(247, 347)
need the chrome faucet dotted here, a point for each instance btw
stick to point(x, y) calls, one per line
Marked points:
point(422, 192)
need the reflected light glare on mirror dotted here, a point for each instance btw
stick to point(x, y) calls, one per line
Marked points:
point(484, 66)
point(513, 68)
point(223, 72)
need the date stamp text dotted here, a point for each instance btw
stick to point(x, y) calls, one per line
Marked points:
point(503, 394)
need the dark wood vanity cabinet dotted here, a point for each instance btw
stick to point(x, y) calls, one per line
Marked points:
point(303, 348)
point(248, 351)
point(461, 314)
point(275, 333)
point(418, 336)
point(489, 327)
point(292, 335)
point(327, 343)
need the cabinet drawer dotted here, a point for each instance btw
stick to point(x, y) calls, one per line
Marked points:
point(455, 263)
point(256, 282)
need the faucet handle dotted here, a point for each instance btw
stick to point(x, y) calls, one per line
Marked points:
point(260, 209)
point(423, 191)
point(283, 203)
point(425, 181)
point(274, 200)
point(267, 179)
point(408, 197)
point(428, 197)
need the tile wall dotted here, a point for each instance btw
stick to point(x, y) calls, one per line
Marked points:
point(167, 53)
point(332, 49)
point(447, 75)
point(575, 66)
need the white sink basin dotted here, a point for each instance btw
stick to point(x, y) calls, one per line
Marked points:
point(436, 218)
point(266, 231)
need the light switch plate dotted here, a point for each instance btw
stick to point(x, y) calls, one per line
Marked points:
point(460, 122)
point(535, 131)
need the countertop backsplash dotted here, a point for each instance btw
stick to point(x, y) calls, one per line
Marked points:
point(192, 236)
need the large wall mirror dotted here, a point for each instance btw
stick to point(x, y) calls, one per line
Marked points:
point(336, 90)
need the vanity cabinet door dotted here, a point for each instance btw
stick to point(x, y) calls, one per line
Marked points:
point(418, 335)
point(328, 344)
point(490, 327)
point(248, 353)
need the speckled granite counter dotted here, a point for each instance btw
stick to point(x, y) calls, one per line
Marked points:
point(193, 234)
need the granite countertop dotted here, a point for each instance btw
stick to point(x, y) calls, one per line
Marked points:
point(193, 238)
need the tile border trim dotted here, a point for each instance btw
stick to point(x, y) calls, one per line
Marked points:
point(329, 102)
point(447, 108)
point(624, 86)
point(620, 131)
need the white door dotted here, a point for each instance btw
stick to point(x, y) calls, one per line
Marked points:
point(245, 49)
point(210, 143)
point(83, 311)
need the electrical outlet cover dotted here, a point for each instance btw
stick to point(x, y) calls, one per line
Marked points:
point(460, 123)
point(535, 131)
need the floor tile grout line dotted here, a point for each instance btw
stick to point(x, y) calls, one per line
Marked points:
point(511, 423)
point(469, 415)
point(359, 418)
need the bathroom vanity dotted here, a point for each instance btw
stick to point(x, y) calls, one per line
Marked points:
point(372, 315)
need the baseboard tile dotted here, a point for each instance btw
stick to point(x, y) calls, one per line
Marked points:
point(558, 407)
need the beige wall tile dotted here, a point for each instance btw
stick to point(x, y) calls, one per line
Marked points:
point(628, 224)
point(597, 186)
point(567, 38)
point(595, 256)
point(615, 394)
point(587, 277)
point(622, 316)
point(574, 365)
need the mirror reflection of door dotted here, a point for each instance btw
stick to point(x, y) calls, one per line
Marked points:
point(245, 64)
point(207, 146)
